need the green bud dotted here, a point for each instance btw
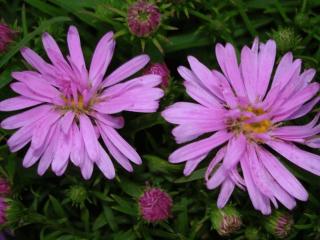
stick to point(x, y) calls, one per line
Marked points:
point(301, 20)
point(286, 39)
point(226, 220)
point(77, 194)
point(279, 224)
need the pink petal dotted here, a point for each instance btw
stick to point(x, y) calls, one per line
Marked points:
point(266, 61)
point(66, 121)
point(86, 167)
point(217, 178)
point(17, 103)
point(77, 147)
point(26, 117)
point(301, 158)
point(192, 164)
point(225, 193)
point(42, 128)
point(105, 165)
point(235, 150)
point(101, 58)
point(62, 152)
point(36, 61)
point(259, 201)
point(286, 179)
point(120, 143)
point(126, 70)
point(89, 137)
point(53, 51)
point(118, 156)
point(199, 148)
point(75, 49)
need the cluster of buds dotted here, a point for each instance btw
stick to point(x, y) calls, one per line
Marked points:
point(6, 36)
point(155, 205)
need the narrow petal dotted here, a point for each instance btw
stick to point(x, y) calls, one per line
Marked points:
point(199, 148)
point(89, 137)
point(286, 179)
point(301, 158)
point(17, 103)
point(225, 193)
point(36, 61)
point(121, 144)
point(126, 70)
point(86, 167)
point(66, 121)
point(216, 179)
point(259, 201)
point(77, 147)
point(266, 61)
point(75, 49)
point(235, 150)
point(62, 152)
point(192, 164)
point(118, 156)
point(101, 58)
point(26, 117)
point(105, 164)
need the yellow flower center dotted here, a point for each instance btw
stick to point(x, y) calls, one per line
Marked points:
point(256, 127)
point(78, 106)
point(240, 125)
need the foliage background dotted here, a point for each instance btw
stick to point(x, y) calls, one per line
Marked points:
point(44, 208)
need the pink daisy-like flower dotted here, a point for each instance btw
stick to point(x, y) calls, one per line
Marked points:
point(72, 107)
point(246, 110)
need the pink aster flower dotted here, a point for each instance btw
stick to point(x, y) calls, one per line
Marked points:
point(69, 108)
point(155, 205)
point(246, 106)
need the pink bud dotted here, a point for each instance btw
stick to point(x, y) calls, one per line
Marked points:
point(6, 36)
point(3, 210)
point(159, 69)
point(155, 205)
point(4, 187)
point(143, 18)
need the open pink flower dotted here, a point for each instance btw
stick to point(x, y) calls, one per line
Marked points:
point(246, 109)
point(73, 107)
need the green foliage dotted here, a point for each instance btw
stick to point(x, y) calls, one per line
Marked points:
point(70, 208)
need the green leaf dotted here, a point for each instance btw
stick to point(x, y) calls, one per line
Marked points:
point(130, 188)
point(108, 213)
point(196, 175)
point(125, 206)
point(57, 207)
point(159, 165)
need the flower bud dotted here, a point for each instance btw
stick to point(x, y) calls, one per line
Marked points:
point(4, 187)
point(226, 220)
point(286, 39)
point(160, 69)
point(3, 210)
point(155, 205)
point(6, 36)
point(143, 18)
point(279, 224)
point(77, 194)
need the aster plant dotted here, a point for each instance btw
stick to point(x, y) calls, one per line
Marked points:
point(70, 108)
point(246, 107)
